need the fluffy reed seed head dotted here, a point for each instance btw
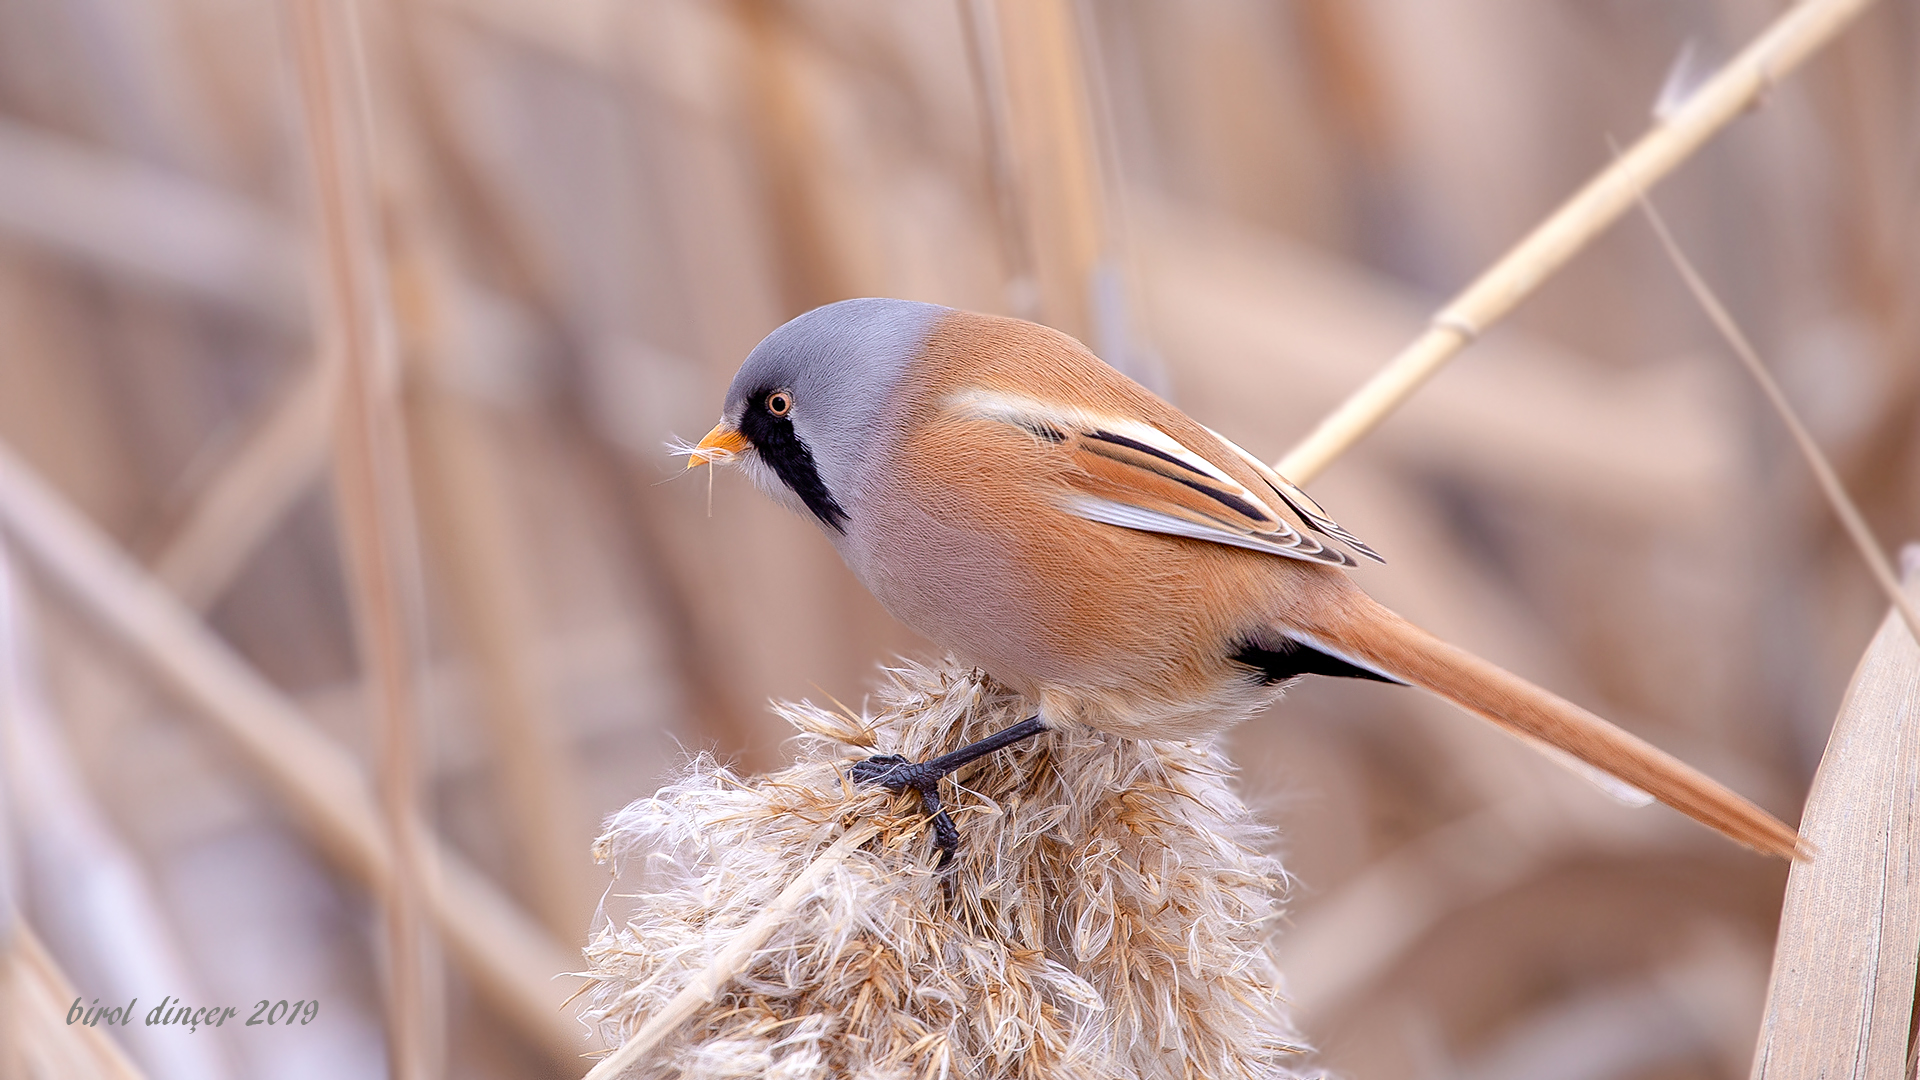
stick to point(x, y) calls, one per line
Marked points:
point(1108, 914)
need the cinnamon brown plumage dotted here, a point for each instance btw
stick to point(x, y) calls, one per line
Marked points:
point(1019, 502)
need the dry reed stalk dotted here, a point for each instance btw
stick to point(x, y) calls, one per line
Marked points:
point(1835, 492)
point(1796, 35)
point(698, 649)
point(1842, 992)
point(41, 806)
point(13, 1025)
point(816, 257)
point(42, 1045)
point(1843, 984)
point(275, 464)
point(1354, 935)
point(90, 894)
point(373, 503)
point(733, 957)
point(987, 69)
point(510, 960)
point(1267, 332)
point(470, 527)
point(464, 498)
point(12, 923)
point(1051, 150)
point(667, 585)
point(117, 213)
point(1108, 913)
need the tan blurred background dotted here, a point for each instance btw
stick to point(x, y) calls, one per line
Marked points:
point(589, 210)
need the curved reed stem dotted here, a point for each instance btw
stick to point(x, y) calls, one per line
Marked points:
point(730, 960)
point(1734, 89)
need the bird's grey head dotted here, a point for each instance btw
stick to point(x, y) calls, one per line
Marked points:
point(812, 401)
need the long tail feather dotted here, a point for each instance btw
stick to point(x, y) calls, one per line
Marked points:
point(1378, 638)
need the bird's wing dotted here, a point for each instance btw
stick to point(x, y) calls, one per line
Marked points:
point(1298, 501)
point(1136, 476)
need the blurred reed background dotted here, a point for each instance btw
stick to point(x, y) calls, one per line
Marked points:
point(564, 225)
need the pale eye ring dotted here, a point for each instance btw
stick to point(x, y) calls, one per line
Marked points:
point(780, 402)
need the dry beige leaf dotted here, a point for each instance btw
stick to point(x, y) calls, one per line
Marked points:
point(1841, 997)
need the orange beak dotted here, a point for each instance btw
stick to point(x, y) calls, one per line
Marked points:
point(721, 443)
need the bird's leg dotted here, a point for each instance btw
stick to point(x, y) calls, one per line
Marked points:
point(897, 774)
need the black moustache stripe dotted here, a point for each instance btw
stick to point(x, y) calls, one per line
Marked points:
point(774, 439)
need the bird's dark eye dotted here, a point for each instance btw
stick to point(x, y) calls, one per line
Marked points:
point(780, 402)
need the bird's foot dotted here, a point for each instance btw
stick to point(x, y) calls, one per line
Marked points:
point(897, 774)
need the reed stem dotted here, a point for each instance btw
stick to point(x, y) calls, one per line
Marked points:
point(1735, 88)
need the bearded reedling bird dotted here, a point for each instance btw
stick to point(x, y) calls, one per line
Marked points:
point(1009, 496)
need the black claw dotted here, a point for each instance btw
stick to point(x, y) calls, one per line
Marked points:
point(946, 837)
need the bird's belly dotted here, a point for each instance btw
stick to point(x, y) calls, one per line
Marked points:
point(1127, 642)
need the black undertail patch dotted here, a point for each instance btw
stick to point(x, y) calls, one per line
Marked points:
point(778, 445)
point(1291, 659)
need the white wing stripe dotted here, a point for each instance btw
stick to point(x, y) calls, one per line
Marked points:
point(1027, 413)
point(1056, 422)
point(1127, 516)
